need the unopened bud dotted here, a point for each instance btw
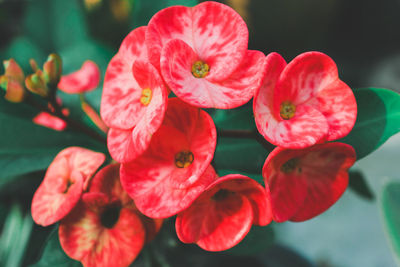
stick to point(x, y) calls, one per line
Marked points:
point(15, 92)
point(12, 69)
point(36, 83)
point(52, 69)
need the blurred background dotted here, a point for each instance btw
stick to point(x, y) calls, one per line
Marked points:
point(363, 38)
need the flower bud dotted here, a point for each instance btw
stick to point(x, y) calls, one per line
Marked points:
point(36, 83)
point(12, 69)
point(52, 69)
point(15, 92)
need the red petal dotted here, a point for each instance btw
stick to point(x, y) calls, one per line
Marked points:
point(257, 195)
point(83, 238)
point(120, 105)
point(304, 77)
point(49, 121)
point(263, 108)
point(316, 183)
point(176, 64)
point(63, 184)
point(326, 167)
point(215, 225)
point(126, 145)
point(216, 32)
point(54, 199)
point(107, 181)
point(156, 196)
point(288, 191)
point(86, 79)
point(338, 104)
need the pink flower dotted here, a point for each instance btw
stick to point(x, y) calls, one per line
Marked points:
point(202, 55)
point(304, 183)
point(134, 99)
point(62, 186)
point(224, 213)
point(304, 102)
point(85, 79)
point(171, 173)
point(104, 229)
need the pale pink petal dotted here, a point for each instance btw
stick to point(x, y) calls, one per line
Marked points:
point(338, 104)
point(120, 102)
point(216, 33)
point(176, 63)
point(263, 107)
point(306, 128)
point(86, 79)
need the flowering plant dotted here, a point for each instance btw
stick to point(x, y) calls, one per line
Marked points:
point(174, 100)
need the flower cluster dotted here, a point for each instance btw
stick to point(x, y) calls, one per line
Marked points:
point(164, 145)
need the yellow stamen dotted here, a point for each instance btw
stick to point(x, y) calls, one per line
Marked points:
point(183, 159)
point(146, 96)
point(287, 110)
point(200, 69)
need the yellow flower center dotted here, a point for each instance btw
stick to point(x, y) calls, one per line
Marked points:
point(200, 69)
point(183, 159)
point(287, 110)
point(146, 96)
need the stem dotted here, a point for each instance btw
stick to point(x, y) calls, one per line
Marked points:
point(73, 124)
point(58, 113)
point(246, 134)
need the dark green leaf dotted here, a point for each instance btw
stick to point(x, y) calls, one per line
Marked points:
point(53, 255)
point(240, 118)
point(245, 155)
point(378, 119)
point(256, 241)
point(358, 184)
point(14, 237)
point(145, 9)
point(25, 146)
point(390, 205)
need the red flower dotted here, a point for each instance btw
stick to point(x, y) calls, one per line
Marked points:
point(85, 79)
point(223, 214)
point(63, 183)
point(304, 183)
point(134, 99)
point(202, 54)
point(104, 229)
point(172, 172)
point(304, 102)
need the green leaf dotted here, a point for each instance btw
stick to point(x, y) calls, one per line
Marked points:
point(256, 241)
point(143, 10)
point(26, 147)
point(53, 255)
point(378, 119)
point(240, 118)
point(358, 185)
point(245, 155)
point(14, 238)
point(390, 205)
